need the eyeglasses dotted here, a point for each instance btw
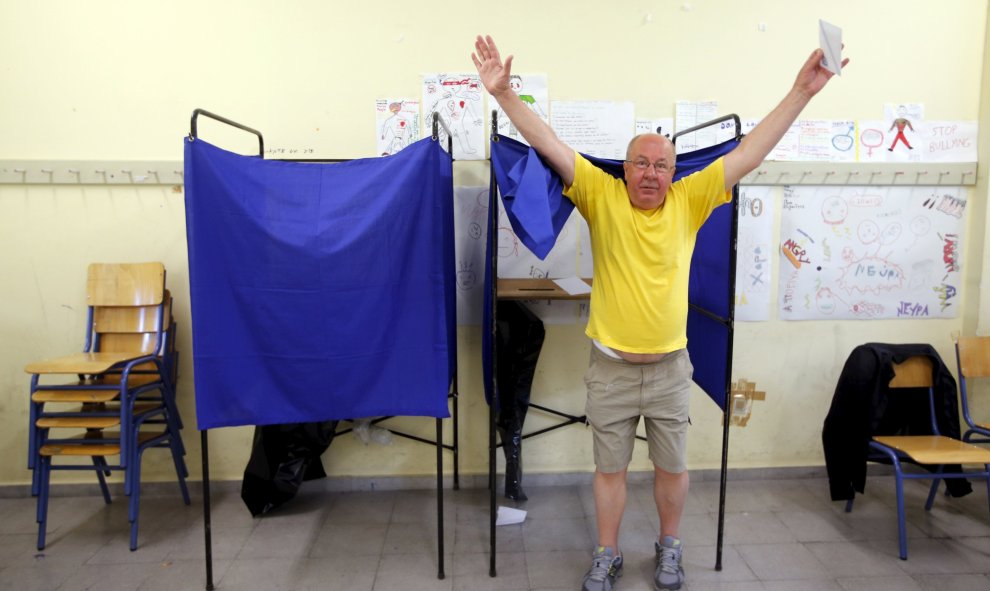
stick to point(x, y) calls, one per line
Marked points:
point(641, 164)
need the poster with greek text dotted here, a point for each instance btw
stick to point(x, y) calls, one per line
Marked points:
point(753, 262)
point(863, 253)
point(459, 100)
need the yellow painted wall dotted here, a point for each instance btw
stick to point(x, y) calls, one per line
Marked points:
point(114, 80)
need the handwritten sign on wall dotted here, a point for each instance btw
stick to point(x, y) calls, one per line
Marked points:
point(870, 252)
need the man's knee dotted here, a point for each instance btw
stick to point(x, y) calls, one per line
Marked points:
point(617, 474)
point(664, 476)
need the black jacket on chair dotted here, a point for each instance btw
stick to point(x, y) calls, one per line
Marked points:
point(863, 406)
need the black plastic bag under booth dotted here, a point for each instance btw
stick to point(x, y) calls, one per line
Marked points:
point(520, 339)
point(283, 456)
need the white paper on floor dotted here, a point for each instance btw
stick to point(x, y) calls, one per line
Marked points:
point(509, 516)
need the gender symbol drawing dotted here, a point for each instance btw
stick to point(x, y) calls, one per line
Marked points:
point(844, 142)
point(871, 138)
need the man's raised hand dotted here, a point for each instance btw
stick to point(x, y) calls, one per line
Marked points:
point(494, 74)
point(813, 76)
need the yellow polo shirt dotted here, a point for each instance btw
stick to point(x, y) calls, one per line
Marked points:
point(642, 258)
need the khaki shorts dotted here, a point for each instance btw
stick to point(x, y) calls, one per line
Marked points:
point(620, 392)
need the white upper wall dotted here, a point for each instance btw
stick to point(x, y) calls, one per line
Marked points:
point(119, 80)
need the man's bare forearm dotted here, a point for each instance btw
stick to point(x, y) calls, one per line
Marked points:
point(540, 136)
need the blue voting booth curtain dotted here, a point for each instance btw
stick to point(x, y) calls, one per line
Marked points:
point(532, 195)
point(711, 286)
point(320, 291)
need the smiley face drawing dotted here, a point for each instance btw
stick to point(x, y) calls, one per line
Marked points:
point(834, 210)
point(868, 232)
point(825, 301)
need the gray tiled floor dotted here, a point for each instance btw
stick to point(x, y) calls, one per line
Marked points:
point(779, 535)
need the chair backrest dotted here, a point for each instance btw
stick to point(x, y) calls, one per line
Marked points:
point(914, 372)
point(974, 356)
point(129, 307)
point(125, 284)
point(134, 328)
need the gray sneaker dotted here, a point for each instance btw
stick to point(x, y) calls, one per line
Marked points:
point(605, 569)
point(669, 574)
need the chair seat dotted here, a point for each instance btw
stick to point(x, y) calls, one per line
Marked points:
point(83, 363)
point(92, 447)
point(51, 394)
point(80, 449)
point(83, 421)
point(74, 395)
point(133, 379)
point(936, 449)
point(78, 422)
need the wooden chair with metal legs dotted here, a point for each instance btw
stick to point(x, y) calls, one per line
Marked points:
point(973, 361)
point(936, 450)
point(125, 380)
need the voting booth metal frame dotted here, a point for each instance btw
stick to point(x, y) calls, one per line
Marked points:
point(453, 395)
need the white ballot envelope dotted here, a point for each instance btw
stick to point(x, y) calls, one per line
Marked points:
point(573, 285)
point(830, 39)
point(509, 516)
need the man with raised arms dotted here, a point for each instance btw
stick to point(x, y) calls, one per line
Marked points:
point(643, 230)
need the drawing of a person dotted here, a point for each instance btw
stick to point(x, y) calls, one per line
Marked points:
point(900, 123)
point(460, 110)
point(516, 84)
point(528, 99)
point(395, 130)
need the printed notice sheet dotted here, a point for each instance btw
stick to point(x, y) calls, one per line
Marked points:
point(597, 128)
point(687, 114)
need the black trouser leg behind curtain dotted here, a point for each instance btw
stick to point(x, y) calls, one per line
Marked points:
point(520, 338)
point(283, 457)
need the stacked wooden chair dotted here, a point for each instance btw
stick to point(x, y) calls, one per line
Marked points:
point(115, 399)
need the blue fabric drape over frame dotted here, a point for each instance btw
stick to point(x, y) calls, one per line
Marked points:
point(320, 291)
point(532, 195)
